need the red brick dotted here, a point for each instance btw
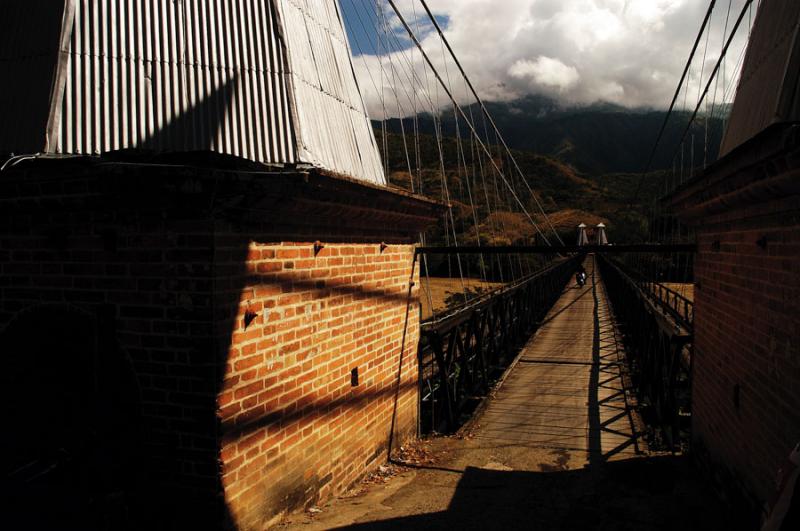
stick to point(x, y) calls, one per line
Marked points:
point(747, 316)
point(282, 395)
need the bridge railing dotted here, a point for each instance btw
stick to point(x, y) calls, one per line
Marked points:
point(462, 353)
point(656, 324)
point(670, 301)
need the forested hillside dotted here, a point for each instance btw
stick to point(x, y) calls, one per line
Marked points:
point(567, 195)
point(597, 139)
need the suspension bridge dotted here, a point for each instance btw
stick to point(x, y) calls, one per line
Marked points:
point(498, 294)
point(258, 291)
point(559, 445)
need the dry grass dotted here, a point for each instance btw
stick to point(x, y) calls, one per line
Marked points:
point(504, 228)
point(686, 290)
point(570, 218)
point(446, 292)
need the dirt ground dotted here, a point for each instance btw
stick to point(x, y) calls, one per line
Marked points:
point(444, 292)
point(463, 485)
point(686, 290)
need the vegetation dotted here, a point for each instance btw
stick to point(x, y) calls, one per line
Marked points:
point(568, 196)
point(596, 139)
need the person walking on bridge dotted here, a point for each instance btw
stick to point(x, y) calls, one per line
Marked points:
point(580, 275)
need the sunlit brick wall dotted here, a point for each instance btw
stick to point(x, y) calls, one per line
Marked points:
point(296, 426)
point(225, 418)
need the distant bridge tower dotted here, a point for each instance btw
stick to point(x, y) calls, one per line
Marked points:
point(582, 238)
point(601, 234)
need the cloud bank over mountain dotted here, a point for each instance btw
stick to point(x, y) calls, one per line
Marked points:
point(627, 52)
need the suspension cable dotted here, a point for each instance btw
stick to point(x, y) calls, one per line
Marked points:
point(747, 4)
point(488, 116)
point(464, 117)
point(674, 99)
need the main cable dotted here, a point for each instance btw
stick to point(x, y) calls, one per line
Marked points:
point(488, 116)
point(747, 4)
point(464, 116)
point(674, 99)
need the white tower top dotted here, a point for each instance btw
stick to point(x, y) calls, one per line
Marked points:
point(270, 82)
point(582, 238)
point(601, 234)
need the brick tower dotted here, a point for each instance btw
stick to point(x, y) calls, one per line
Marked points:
point(208, 298)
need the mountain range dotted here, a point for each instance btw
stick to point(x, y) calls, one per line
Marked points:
point(594, 139)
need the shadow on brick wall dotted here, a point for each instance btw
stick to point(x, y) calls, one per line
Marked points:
point(115, 327)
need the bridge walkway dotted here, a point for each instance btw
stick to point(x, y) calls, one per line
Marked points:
point(554, 448)
point(566, 390)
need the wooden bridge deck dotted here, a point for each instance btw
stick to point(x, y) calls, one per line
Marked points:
point(554, 448)
point(566, 390)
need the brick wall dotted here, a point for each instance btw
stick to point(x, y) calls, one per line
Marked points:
point(123, 295)
point(133, 420)
point(295, 428)
point(746, 379)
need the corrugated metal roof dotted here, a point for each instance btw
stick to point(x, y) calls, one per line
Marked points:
point(193, 75)
point(177, 76)
point(325, 89)
point(768, 90)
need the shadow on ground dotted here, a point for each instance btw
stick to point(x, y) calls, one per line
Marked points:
point(658, 493)
point(556, 448)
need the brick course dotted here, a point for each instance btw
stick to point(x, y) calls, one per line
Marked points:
point(294, 429)
point(238, 422)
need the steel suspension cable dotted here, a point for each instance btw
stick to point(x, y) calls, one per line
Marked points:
point(747, 4)
point(486, 113)
point(464, 117)
point(724, 62)
point(394, 90)
point(674, 99)
point(456, 109)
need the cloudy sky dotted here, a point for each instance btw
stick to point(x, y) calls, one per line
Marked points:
point(629, 52)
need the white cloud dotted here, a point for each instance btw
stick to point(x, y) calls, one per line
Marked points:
point(545, 72)
point(629, 52)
